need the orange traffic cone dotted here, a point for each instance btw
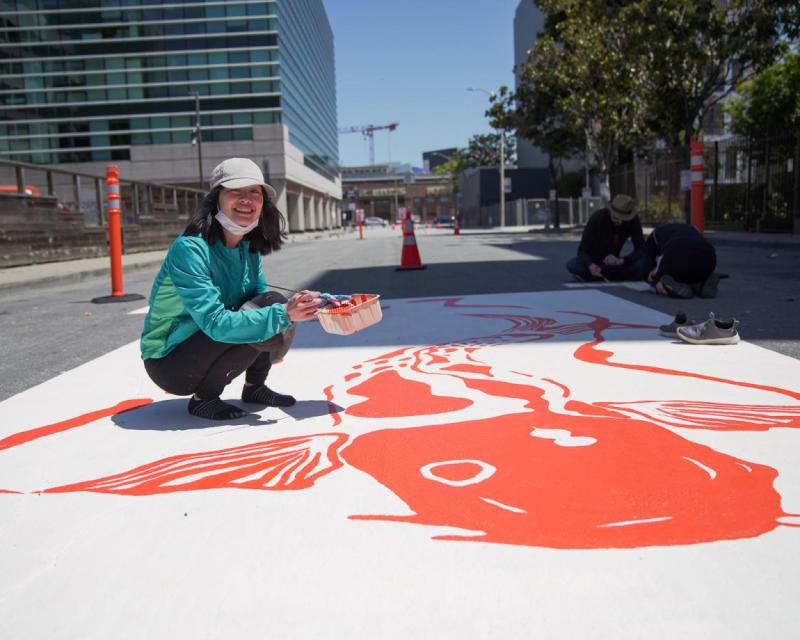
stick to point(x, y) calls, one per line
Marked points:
point(409, 259)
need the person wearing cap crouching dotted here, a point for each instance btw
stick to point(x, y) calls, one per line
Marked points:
point(603, 237)
point(212, 316)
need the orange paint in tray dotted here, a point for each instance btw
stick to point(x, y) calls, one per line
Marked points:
point(361, 311)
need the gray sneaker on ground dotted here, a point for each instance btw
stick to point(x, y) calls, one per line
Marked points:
point(671, 330)
point(712, 331)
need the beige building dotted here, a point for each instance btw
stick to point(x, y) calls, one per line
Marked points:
point(382, 189)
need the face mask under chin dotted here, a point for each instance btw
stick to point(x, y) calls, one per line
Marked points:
point(234, 228)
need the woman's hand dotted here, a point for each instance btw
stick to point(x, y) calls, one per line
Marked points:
point(303, 306)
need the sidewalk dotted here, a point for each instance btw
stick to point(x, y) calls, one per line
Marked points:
point(53, 273)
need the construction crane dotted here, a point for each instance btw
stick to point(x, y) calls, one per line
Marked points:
point(368, 131)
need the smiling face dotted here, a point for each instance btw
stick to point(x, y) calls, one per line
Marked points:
point(243, 205)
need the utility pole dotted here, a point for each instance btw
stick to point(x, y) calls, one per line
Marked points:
point(502, 179)
point(197, 138)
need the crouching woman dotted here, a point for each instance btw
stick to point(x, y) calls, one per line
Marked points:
point(211, 314)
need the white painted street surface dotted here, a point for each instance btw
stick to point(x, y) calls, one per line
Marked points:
point(539, 465)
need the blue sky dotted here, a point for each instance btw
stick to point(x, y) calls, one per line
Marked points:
point(410, 61)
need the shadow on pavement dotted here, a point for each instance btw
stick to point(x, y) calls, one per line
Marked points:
point(171, 415)
point(444, 279)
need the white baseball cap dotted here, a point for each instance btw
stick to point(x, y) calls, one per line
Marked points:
point(236, 173)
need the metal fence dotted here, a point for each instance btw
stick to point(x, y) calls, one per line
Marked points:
point(540, 211)
point(84, 193)
point(750, 185)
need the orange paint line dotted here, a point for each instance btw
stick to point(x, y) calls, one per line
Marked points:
point(588, 352)
point(24, 437)
point(564, 389)
point(453, 302)
point(337, 419)
point(385, 356)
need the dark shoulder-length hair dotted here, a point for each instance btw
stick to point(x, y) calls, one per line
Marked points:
point(267, 237)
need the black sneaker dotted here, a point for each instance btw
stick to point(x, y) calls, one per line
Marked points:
point(676, 289)
point(671, 330)
point(709, 288)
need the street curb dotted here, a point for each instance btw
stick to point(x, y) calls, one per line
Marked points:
point(44, 281)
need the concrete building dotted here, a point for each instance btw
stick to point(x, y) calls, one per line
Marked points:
point(381, 189)
point(480, 194)
point(528, 22)
point(85, 84)
point(433, 159)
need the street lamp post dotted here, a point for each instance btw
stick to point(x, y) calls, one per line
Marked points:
point(502, 163)
point(197, 137)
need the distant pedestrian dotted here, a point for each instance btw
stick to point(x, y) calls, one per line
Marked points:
point(603, 237)
point(681, 262)
point(211, 314)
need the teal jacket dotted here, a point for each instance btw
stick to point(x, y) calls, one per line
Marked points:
point(200, 287)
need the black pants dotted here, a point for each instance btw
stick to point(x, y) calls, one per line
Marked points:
point(688, 259)
point(202, 366)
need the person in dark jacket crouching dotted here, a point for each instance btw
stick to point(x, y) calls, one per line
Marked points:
point(681, 262)
point(211, 314)
point(603, 237)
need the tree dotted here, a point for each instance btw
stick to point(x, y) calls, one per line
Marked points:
point(580, 80)
point(697, 51)
point(532, 114)
point(624, 72)
point(769, 104)
point(483, 150)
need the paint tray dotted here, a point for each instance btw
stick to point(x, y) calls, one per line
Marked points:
point(365, 312)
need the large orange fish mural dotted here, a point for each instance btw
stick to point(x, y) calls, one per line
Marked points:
point(509, 456)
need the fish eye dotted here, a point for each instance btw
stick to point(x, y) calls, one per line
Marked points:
point(465, 472)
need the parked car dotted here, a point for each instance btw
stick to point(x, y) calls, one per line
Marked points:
point(374, 221)
point(441, 222)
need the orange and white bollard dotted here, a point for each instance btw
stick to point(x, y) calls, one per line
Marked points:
point(115, 240)
point(698, 185)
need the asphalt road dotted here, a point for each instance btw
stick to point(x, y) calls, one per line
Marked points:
point(46, 331)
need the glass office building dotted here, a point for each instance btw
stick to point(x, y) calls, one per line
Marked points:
point(87, 82)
